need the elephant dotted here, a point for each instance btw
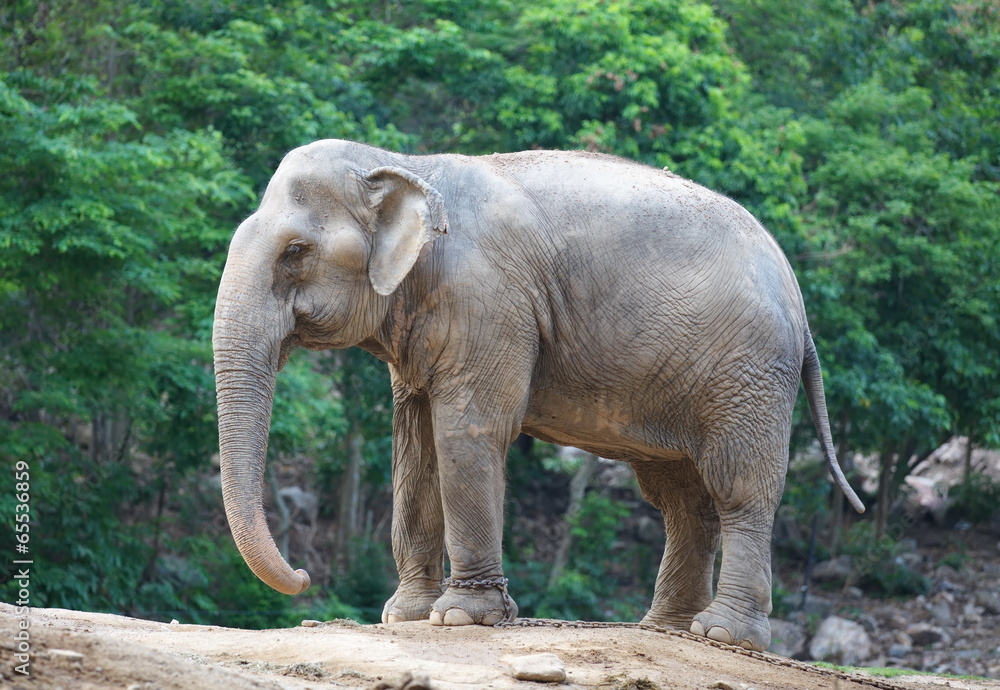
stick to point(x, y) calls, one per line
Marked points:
point(580, 298)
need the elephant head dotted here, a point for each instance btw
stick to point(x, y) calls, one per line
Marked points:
point(314, 266)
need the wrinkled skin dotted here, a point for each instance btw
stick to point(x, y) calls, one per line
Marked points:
point(579, 298)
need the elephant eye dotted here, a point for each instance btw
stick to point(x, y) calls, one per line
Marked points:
point(296, 248)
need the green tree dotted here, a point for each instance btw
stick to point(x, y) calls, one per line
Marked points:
point(110, 242)
point(122, 185)
point(896, 124)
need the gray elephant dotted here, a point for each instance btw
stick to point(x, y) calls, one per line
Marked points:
point(580, 298)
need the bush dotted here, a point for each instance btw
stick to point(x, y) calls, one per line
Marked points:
point(366, 581)
point(593, 586)
point(878, 566)
point(976, 499)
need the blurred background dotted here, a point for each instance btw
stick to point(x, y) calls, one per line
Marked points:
point(135, 136)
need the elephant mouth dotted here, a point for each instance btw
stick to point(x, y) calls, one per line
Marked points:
point(287, 345)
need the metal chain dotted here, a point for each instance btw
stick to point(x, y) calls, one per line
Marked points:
point(766, 657)
point(499, 583)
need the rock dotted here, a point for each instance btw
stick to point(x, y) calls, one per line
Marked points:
point(891, 617)
point(969, 654)
point(925, 497)
point(819, 606)
point(335, 623)
point(990, 601)
point(840, 641)
point(867, 622)
point(787, 639)
point(902, 645)
point(66, 655)
point(925, 634)
point(409, 681)
point(726, 685)
point(305, 670)
point(543, 668)
point(837, 570)
point(946, 576)
point(972, 614)
point(855, 593)
point(898, 651)
point(941, 614)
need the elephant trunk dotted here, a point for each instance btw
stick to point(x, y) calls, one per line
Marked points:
point(246, 364)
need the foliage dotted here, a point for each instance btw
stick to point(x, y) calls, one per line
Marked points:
point(890, 671)
point(367, 582)
point(784, 602)
point(590, 587)
point(976, 499)
point(956, 559)
point(807, 492)
point(108, 237)
point(83, 553)
point(211, 585)
point(878, 566)
point(897, 252)
point(884, 672)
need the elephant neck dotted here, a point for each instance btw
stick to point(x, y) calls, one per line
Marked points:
point(407, 309)
point(374, 346)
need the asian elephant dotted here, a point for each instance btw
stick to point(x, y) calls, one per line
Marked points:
point(583, 299)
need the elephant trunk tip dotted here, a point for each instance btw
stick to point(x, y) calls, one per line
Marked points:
point(852, 496)
point(304, 582)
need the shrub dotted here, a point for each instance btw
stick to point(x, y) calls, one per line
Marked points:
point(976, 499)
point(878, 566)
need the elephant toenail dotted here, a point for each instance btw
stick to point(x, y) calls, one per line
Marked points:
point(719, 634)
point(457, 617)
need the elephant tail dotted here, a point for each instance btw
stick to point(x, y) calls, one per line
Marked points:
point(812, 378)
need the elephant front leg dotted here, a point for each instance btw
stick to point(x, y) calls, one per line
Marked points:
point(472, 459)
point(417, 518)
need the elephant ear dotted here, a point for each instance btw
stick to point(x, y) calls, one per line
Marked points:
point(405, 214)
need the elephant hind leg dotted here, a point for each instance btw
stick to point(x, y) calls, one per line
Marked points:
point(745, 476)
point(691, 522)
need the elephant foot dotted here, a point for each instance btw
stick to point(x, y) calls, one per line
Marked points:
point(673, 620)
point(465, 605)
point(719, 622)
point(410, 606)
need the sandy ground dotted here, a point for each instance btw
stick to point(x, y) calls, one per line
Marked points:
point(78, 650)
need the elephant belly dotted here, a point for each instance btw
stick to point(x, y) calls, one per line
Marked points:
point(602, 427)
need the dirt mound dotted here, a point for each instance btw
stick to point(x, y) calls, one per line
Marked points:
point(71, 649)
